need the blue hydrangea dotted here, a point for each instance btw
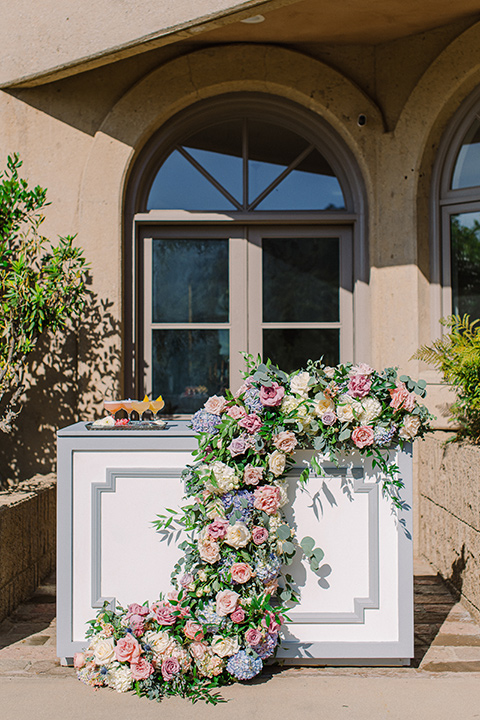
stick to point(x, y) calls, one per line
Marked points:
point(384, 436)
point(204, 421)
point(267, 647)
point(241, 502)
point(252, 400)
point(209, 618)
point(267, 571)
point(243, 666)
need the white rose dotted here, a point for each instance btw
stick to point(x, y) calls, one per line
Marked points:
point(276, 462)
point(370, 409)
point(104, 652)
point(323, 405)
point(238, 535)
point(329, 371)
point(224, 647)
point(299, 384)
point(290, 403)
point(160, 642)
point(410, 427)
point(346, 408)
point(119, 678)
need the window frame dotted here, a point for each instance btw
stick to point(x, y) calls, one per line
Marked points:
point(139, 221)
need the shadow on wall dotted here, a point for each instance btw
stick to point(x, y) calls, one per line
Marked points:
point(455, 579)
point(70, 375)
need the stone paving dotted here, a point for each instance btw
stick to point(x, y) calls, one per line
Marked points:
point(447, 640)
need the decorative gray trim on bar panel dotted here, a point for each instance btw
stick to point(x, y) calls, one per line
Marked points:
point(373, 600)
point(110, 486)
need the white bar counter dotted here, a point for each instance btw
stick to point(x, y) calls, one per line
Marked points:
point(356, 609)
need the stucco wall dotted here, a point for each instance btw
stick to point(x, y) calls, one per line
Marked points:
point(80, 137)
point(449, 513)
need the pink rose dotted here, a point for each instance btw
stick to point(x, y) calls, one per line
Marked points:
point(186, 581)
point(253, 636)
point(225, 602)
point(136, 609)
point(252, 475)
point(270, 624)
point(127, 649)
point(328, 418)
point(401, 398)
point(251, 423)
point(359, 386)
point(285, 441)
point(237, 446)
point(241, 572)
point(361, 369)
point(141, 670)
point(267, 498)
point(271, 396)
point(193, 630)
point(238, 615)
point(198, 650)
point(78, 660)
point(137, 625)
point(209, 550)
point(259, 535)
point(218, 528)
point(215, 405)
point(163, 614)
point(363, 436)
point(170, 668)
point(236, 412)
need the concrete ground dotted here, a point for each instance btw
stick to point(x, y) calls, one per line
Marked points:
point(443, 682)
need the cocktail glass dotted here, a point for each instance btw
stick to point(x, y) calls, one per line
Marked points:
point(140, 406)
point(156, 406)
point(112, 406)
point(127, 406)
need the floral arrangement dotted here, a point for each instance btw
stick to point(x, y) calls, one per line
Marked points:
point(222, 618)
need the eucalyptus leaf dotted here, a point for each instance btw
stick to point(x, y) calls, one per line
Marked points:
point(283, 532)
point(307, 545)
point(288, 548)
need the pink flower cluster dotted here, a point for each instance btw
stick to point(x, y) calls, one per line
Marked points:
point(267, 498)
point(401, 399)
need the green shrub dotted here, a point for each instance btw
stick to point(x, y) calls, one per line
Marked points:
point(457, 356)
point(42, 285)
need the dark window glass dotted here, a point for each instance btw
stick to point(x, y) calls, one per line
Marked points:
point(189, 366)
point(290, 349)
point(467, 164)
point(180, 186)
point(300, 279)
point(189, 281)
point(465, 238)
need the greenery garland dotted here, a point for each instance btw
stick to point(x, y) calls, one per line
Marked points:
point(222, 619)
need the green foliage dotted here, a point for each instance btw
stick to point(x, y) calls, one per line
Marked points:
point(457, 356)
point(42, 285)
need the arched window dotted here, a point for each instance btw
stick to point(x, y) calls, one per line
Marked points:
point(457, 190)
point(243, 215)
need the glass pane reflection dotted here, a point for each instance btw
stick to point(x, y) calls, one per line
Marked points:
point(467, 164)
point(189, 280)
point(179, 185)
point(465, 238)
point(218, 149)
point(188, 366)
point(290, 349)
point(311, 186)
point(300, 279)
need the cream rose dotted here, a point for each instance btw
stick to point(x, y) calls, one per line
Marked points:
point(215, 404)
point(238, 535)
point(410, 427)
point(224, 647)
point(209, 550)
point(322, 405)
point(160, 642)
point(345, 408)
point(252, 475)
point(299, 383)
point(276, 462)
point(104, 652)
